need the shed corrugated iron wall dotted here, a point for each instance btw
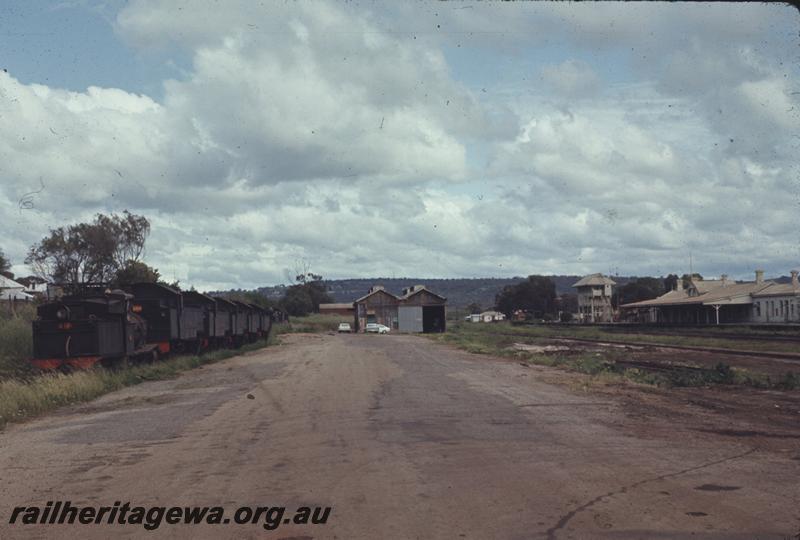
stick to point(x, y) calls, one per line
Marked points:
point(409, 318)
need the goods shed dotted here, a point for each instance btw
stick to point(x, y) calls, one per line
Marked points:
point(416, 310)
point(421, 310)
point(377, 306)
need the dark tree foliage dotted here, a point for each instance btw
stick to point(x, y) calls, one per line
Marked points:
point(136, 272)
point(90, 252)
point(643, 288)
point(567, 303)
point(670, 282)
point(537, 295)
point(305, 296)
point(686, 278)
point(297, 301)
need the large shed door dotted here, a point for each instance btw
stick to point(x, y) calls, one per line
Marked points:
point(409, 318)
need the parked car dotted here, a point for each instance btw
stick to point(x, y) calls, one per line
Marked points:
point(377, 328)
point(344, 327)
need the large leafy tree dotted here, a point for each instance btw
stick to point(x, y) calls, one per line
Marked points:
point(537, 294)
point(136, 272)
point(305, 295)
point(90, 252)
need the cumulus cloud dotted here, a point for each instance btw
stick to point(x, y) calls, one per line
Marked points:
point(349, 136)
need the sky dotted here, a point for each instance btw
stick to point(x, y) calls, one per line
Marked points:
point(446, 139)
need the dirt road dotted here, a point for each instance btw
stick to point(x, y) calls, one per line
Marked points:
point(403, 438)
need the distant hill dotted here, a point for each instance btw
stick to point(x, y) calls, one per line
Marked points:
point(460, 292)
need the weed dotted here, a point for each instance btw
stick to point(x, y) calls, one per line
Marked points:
point(20, 399)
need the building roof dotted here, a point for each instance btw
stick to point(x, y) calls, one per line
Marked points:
point(336, 306)
point(705, 285)
point(375, 291)
point(779, 289)
point(6, 283)
point(418, 289)
point(732, 293)
point(594, 279)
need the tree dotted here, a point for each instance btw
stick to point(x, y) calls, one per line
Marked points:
point(297, 301)
point(5, 266)
point(643, 288)
point(90, 252)
point(671, 282)
point(567, 303)
point(136, 272)
point(537, 294)
point(305, 295)
point(687, 279)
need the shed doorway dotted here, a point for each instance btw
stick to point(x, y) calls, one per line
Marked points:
point(433, 319)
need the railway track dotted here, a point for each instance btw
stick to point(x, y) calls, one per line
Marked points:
point(711, 335)
point(790, 357)
point(631, 330)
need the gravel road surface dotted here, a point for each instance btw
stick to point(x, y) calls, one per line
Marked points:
point(403, 438)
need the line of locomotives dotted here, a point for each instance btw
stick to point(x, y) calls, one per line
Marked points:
point(144, 322)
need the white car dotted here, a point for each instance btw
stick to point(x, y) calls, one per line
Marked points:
point(344, 327)
point(377, 328)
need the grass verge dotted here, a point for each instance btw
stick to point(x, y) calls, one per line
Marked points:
point(314, 323)
point(21, 399)
point(16, 344)
point(496, 339)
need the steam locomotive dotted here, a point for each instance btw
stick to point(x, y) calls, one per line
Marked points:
point(144, 322)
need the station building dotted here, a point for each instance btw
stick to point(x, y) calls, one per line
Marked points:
point(721, 301)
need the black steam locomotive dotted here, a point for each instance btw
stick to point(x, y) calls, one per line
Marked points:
point(143, 322)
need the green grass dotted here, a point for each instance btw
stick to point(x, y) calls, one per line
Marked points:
point(15, 341)
point(496, 339)
point(21, 399)
point(315, 323)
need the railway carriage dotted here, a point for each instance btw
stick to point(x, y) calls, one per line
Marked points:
point(263, 321)
point(247, 322)
point(148, 320)
point(225, 322)
point(197, 304)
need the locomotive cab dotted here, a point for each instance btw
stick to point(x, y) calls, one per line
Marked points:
point(79, 331)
